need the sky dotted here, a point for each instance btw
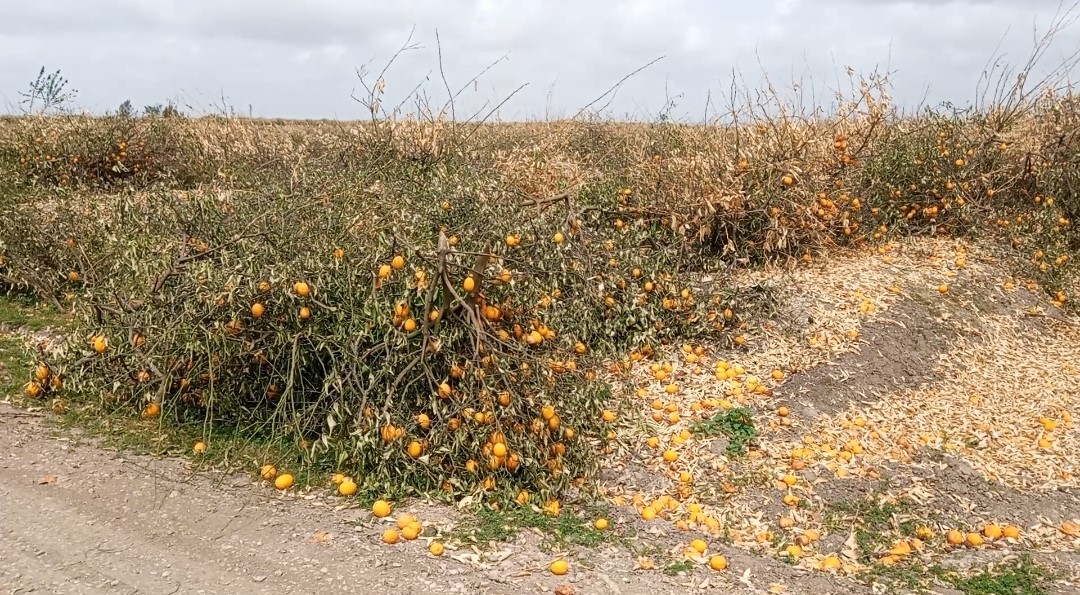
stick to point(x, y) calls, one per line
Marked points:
point(544, 59)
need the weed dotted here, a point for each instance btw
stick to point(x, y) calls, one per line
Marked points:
point(490, 525)
point(872, 519)
point(679, 567)
point(1017, 577)
point(737, 424)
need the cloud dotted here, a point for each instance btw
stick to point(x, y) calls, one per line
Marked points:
point(293, 59)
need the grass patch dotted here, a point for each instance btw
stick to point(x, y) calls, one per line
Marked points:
point(737, 424)
point(682, 566)
point(20, 311)
point(12, 361)
point(873, 521)
point(1017, 577)
point(488, 525)
point(229, 449)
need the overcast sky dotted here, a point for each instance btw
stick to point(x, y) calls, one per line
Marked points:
point(298, 58)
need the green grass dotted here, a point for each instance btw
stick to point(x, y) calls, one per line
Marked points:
point(229, 449)
point(737, 424)
point(487, 525)
point(21, 313)
point(684, 566)
point(872, 521)
point(1018, 577)
point(18, 311)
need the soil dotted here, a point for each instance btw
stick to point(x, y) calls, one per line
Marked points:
point(79, 518)
point(899, 350)
point(894, 353)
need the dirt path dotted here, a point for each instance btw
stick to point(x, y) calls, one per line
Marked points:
point(82, 519)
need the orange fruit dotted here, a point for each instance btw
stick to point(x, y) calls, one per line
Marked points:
point(1011, 531)
point(268, 472)
point(411, 531)
point(337, 479)
point(469, 284)
point(699, 545)
point(152, 410)
point(436, 548)
point(41, 372)
point(385, 271)
point(558, 567)
point(305, 313)
point(404, 520)
point(718, 563)
point(398, 263)
point(257, 309)
point(831, 563)
point(347, 487)
point(283, 481)
point(670, 456)
point(390, 536)
point(558, 238)
point(381, 508)
point(993, 531)
point(33, 390)
point(199, 448)
point(974, 539)
point(600, 524)
point(301, 289)
point(793, 550)
point(415, 449)
point(100, 343)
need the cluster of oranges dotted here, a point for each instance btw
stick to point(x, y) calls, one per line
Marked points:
point(43, 382)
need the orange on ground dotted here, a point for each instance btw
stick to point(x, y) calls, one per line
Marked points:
point(381, 508)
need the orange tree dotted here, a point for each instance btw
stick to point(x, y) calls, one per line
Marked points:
point(422, 341)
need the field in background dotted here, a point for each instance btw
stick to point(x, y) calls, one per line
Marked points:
point(501, 315)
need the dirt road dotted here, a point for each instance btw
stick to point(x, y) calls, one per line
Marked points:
point(77, 518)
